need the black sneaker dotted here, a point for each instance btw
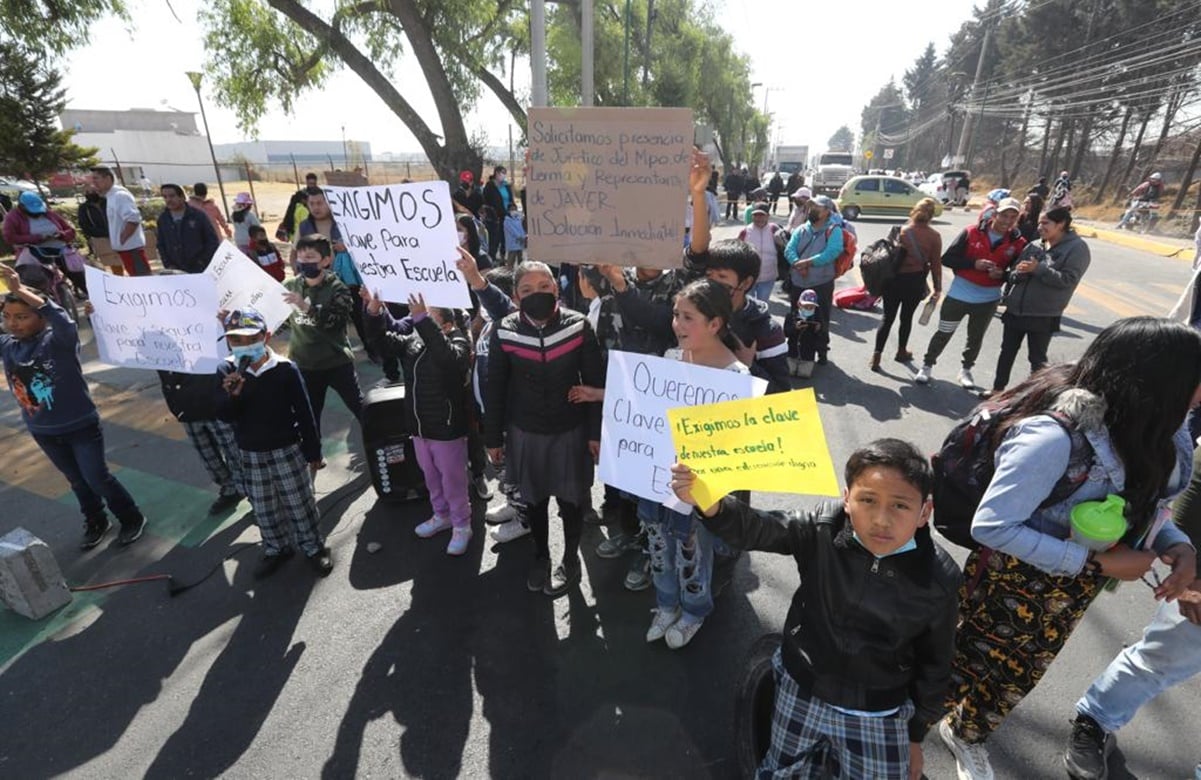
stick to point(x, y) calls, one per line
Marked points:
point(566, 575)
point(638, 576)
point(822, 358)
point(268, 564)
point(1089, 746)
point(538, 576)
point(224, 503)
point(591, 517)
point(94, 531)
point(322, 562)
point(131, 531)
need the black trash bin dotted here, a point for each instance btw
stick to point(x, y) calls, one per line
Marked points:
point(391, 460)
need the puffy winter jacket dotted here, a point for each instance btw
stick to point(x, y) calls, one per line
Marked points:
point(1046, 291)
point(530, 370)
point(973, 244)
point(863, 633)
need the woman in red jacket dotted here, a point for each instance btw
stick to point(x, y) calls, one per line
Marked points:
point(32, 225)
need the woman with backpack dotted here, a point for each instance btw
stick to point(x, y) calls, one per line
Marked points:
point(1110, 424)
point(922, 246)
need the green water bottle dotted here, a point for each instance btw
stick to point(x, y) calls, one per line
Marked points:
point(1099, 525)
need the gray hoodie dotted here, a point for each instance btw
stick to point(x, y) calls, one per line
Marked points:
point(1047, 290)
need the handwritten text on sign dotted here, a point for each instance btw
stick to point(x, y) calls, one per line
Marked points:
point(242, 284)
point(636, 444)
point(608, 185)
point(403, 239)
point(168, 323)
point(774, 444)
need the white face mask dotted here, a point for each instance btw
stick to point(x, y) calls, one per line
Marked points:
point(462, 238)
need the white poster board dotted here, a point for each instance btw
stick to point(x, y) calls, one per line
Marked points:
point(403, 240)
point(636, 446)
point(243, 284)
point(166, 323)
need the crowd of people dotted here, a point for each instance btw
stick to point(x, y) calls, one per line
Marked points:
point(887, 637)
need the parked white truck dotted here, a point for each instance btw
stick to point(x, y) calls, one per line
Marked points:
point(833, 169)
point(791, 159)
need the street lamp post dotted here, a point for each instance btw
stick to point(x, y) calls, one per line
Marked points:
point(195, 77)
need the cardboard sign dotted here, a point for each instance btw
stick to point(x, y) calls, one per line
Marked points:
point(166, 323)
point(608, 185)
point(636, 442)
point(243, 284)
point(774, 444)
point(403, 240)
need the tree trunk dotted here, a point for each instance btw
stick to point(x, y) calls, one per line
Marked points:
point(1021, 154)
point(1121, 187)
point(1042, 158)
point(1117, 150)
point(1175, 99)
point(1068, 147)
point(1053, 160)
point(1187, 181)
point(1082, 144)
point(646, 50)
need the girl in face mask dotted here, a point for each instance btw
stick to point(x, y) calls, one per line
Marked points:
point(469, 239)
point(549, 445)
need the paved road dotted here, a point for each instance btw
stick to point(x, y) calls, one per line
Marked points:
point(405, 663)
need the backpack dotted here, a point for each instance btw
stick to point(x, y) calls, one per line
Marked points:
point(850, 246)
point(964, 467)
point(878, 265)
point(857, 298)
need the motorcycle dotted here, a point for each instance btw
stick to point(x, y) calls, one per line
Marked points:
point(54, 280)
point(1144, 214)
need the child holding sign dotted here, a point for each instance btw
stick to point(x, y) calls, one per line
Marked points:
point(265, 400)
point(681, 549)
point(41, 364)
point(868, 642)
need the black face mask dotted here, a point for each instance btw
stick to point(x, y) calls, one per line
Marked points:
point(92, 197)
point(309, 270)
point(538, 306)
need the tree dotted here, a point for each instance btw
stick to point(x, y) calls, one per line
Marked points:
point(884, 116)
point(53, 26)
point(31, 99)
point(843, 140)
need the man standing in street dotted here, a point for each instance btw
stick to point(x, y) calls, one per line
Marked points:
point(200, 200)
point(124, 222)
point(186, 239)
point(980, 256)
point(733, 184)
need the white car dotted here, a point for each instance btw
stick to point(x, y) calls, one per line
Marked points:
point(944, 187)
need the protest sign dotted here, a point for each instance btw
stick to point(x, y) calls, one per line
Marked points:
point(242, 283)
point(636, 446)
point(774, 444)
point(403, 240)
point(168, 323)
point(608, 185)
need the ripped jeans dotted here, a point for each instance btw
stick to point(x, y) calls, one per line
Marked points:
point(681, 551)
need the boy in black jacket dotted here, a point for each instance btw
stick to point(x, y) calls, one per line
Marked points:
point(265, 399)
point(868, 642)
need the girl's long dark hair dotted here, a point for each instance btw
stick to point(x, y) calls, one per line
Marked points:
point(1147, 370)
point(712, 299)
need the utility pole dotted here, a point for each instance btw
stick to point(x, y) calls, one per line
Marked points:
point(965, 135)
point(538, 53)
point(588, 54)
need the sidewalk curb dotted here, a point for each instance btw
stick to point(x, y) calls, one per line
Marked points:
point(1140, 243)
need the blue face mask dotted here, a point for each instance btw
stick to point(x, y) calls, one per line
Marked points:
point(255, 352)
point(906, 547)
point(805, 312)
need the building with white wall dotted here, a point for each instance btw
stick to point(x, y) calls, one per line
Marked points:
point(165, 146)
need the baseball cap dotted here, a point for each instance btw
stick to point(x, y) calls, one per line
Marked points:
point(803, 193)
point(32, 202)
point(825, 201)
point(243, 199)
point(759, 208)
point(244, 322)
point(808, 298)
point(466, 177)
point(1009, 204)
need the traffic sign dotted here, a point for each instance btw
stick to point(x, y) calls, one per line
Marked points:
point(868, 154)
point(888, 153)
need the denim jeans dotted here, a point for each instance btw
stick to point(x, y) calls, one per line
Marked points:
point(79, 455)
point(681, 559)
point(1168, 653)
point(763, 290)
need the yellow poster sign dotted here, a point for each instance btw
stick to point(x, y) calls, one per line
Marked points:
point(774, 443)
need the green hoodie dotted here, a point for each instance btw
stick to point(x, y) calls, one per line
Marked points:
point(318, 340)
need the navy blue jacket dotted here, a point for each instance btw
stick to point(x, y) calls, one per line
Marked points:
point(189, 244)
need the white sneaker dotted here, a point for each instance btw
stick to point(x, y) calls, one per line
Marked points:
point(923, 375)
point(971, 761)
point(682, 632)
point(507, 532)
point(663, 620)
point(805, 368)
point(459, 539)
point(435, 525)
point(501, 514)
point(966, 380)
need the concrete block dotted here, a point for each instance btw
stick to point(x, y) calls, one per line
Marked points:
point(31, 583)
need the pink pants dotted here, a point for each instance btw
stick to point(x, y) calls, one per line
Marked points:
point(444, 464)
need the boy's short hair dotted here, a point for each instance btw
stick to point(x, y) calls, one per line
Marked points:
point(737, 256)
point(200, 189)
point(102, 170)
point(315, 241)
point(173, 187)
point(502, 278)
point(256, 230)
point(892, 454)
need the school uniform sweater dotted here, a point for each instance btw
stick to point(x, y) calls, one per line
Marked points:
point(272, 412)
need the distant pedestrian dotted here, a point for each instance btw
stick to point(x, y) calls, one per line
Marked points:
point(186, 239)
point(243, 218)
point(774, 188)
point(922, 246)
point(498, 193)
point(124, 223)
point(733, 185)
point(200, 200)
point(297, 210)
